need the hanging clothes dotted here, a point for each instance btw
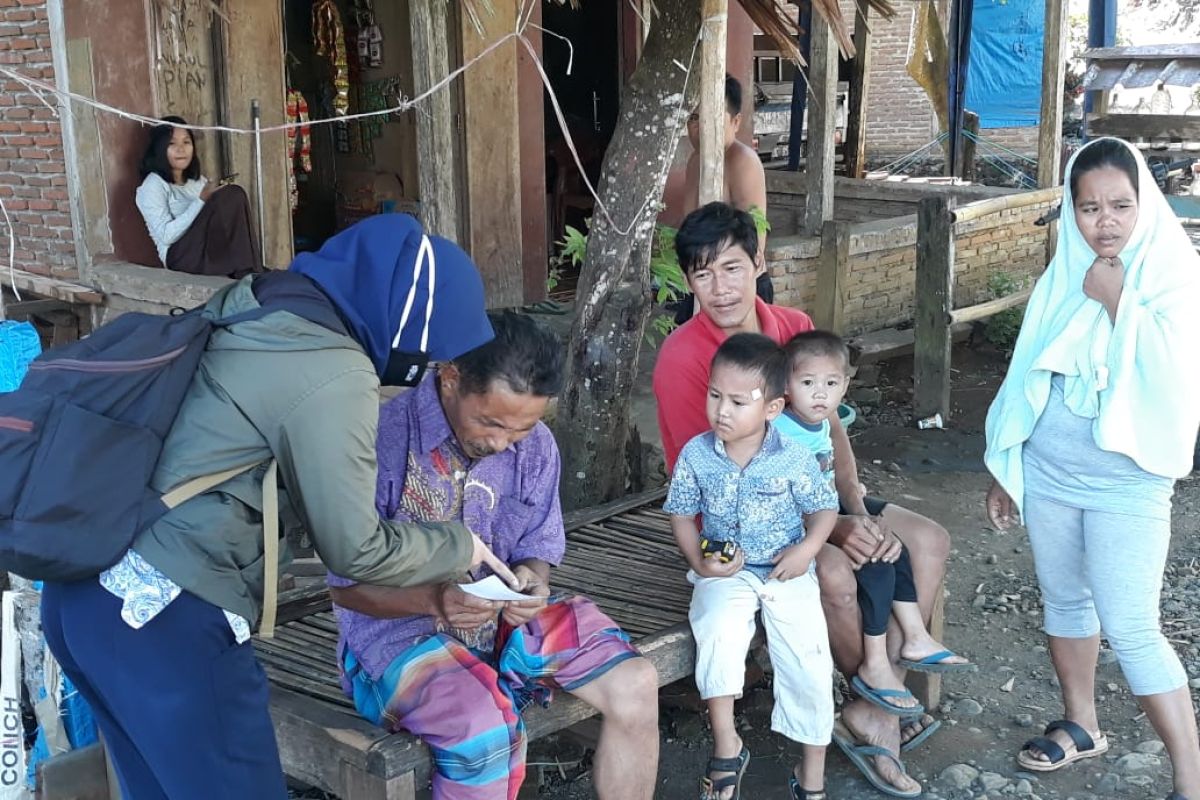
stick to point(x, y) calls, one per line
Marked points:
point(299, 144)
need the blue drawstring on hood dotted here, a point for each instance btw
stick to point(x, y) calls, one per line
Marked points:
point(368, 271)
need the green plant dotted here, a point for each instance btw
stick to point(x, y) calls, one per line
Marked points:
point(1003, 326)
point(665, 271)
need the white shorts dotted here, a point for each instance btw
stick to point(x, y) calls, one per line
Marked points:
point(722, 617)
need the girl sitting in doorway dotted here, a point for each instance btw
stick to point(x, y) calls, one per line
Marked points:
point(197, 225)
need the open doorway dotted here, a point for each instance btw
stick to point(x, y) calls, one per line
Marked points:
point(346, 57)
point(590, 98)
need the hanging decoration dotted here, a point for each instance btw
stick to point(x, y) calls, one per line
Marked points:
point(370, 37)
point(329, 35)
point(299, 143)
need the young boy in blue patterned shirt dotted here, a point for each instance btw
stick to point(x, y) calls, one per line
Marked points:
point(766, 496)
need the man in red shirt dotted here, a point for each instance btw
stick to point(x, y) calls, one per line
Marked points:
point(715, 245)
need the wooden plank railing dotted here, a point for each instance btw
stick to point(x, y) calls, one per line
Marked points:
point(935, 312)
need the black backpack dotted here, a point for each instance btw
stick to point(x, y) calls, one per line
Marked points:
point(80, 438)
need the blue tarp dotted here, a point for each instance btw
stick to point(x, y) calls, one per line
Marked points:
point(19, 345)
point(1004, 82)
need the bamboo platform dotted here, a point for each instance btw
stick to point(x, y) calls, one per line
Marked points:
point(621, 555)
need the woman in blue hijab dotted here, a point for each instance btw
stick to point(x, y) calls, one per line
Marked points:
point(159, 644)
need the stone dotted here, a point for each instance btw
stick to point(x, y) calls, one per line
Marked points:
point(1022, 787)
point(1153, 747)
point(867, 375)
point(1023, 720)
point(992, 559)
point(1107, 656)
point(980, 601)
point(1109, 783)
point(866, 395)
point(967, 707)
point(959, 776)
point(1194, 683)
point(993, 781)
point(1132, 763)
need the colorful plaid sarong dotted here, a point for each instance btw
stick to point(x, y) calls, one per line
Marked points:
point(466, 705)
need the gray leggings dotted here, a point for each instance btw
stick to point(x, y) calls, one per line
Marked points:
point(1102, 570)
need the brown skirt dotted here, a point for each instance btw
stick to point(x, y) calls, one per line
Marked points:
point(220, 241)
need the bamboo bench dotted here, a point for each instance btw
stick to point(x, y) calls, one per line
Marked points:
point(622, 556)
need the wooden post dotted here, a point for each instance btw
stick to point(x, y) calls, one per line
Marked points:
point(856, 113)
point(435, 120)
point(822, 119)
point(966, 153)
point(715, 16)
point(935, 299)
point(829, 310)
point(927, 686)
point(1051, 119)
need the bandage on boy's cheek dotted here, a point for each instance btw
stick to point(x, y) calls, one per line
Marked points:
point(756, 394)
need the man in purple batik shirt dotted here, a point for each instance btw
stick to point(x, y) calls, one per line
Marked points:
point(467, 444)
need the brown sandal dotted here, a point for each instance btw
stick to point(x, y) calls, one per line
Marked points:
point(1085, 747)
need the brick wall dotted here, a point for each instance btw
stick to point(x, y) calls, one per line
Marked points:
point(881, 276)
point(33, 174)
point(900, 117)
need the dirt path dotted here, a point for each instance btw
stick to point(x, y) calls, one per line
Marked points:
point(993, 615)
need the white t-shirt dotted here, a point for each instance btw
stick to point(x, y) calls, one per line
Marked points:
point(169, 209)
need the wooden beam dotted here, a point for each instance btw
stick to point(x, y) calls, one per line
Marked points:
point(1148, 126)
point(856, 116)
point(935, 298)
point(985, 310)
point(822, 119)
point(492, 159)
point(1143, 52)
point(832, 268)
point(1053, 72)
point(981, 208)
point(715, 16)
point(45, 286)
point(435, 120)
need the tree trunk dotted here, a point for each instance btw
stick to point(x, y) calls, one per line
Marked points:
point(613, 297)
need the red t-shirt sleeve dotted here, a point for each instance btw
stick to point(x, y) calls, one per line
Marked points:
point(680, 389)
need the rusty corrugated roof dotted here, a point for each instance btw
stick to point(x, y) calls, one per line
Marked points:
point(1142, 66)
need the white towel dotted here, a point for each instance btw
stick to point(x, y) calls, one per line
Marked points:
point(1139, 378)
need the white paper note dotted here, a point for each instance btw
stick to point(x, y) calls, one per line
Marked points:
point(492, 588)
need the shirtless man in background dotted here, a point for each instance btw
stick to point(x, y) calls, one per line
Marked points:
point(745, 185)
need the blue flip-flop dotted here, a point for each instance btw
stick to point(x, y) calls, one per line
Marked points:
point(878, 697)
point(860, 755)
point(935, 663)
point(918, 740)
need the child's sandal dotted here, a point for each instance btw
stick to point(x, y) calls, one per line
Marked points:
point(710, 788)
point(799, 793)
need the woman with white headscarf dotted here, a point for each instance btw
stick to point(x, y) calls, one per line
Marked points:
point(1095, 421)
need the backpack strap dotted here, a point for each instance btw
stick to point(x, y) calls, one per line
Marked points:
point(270, 512)
point(266, 626)
point(198, 486)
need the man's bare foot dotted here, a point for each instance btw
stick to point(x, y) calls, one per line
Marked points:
point(882, 676)
point(912, 727)
point(875, 726)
